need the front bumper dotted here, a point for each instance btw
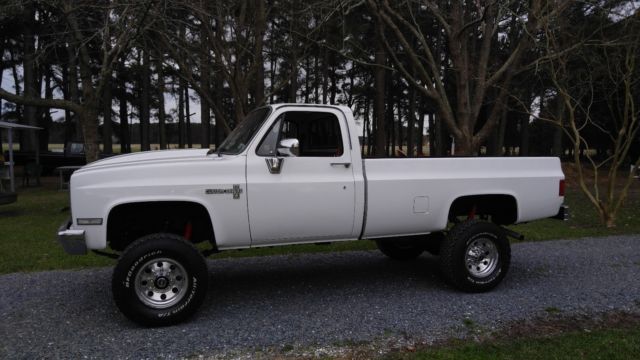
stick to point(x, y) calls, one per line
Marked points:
point(72, 240)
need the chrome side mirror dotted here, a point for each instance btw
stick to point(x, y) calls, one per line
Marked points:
point(289, 147)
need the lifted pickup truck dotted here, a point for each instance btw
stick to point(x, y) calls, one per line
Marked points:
point(293, 174)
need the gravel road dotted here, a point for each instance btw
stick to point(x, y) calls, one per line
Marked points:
point(315, 299)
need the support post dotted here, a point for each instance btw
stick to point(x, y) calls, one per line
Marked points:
point(13, 183)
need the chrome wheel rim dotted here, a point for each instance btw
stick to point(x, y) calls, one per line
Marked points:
point(161, 283)
point(481, 257)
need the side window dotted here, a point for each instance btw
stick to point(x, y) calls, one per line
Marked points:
point(270, 141)
point(318, 134)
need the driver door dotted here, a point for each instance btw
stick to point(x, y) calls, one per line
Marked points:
point(310, 196)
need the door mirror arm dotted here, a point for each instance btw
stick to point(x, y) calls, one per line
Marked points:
point(274, 164)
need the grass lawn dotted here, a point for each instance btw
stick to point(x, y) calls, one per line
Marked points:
point(616, 343)
point(28, 227)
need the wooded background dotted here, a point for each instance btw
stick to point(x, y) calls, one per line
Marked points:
point(496, 77)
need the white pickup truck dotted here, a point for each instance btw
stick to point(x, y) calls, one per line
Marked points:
point(293, 174)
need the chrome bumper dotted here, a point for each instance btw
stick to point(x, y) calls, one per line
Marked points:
point(72, 241)
point(563, 213)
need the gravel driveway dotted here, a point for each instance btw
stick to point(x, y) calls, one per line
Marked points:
point(315, 299)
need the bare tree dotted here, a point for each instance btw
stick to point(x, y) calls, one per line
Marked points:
point(472, 32)
point(120, 23)
point(603, 66)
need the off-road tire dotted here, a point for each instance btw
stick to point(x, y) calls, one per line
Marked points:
point(180, 274)
point(456, 258)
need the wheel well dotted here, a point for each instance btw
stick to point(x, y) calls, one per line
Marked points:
point(502, 209)
point(128, 222)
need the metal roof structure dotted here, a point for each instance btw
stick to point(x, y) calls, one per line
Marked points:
point(10, 127)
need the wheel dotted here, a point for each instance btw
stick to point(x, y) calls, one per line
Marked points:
point(160, 279)
point(475, 256)
point(401, 249)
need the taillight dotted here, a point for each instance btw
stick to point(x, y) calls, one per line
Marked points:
point(561, 189)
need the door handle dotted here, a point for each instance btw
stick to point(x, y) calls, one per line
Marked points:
point(345, 164)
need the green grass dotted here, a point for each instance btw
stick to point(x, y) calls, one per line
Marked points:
point(584, 220)
point(601, 344)
point(27, 231)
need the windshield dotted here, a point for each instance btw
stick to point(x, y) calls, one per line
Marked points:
point(240, 137)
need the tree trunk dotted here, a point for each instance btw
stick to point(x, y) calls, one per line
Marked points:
point(260, 27)
point(188, 116)
point(219, 132)
point(502, 129)
point(524, 128)
point(273, 59)
point(162, 127)
point(439, 136)
point(334, 86)
point(399, 135)
point(125, 139)
point(74, 93)
point(316, 79)
point(89, 120)
point(411, 121)
point(181, 127)
point(205, 84)
point(379, 84)
point(29, 71)
point(181, 96)
point(391, 136)
point(325, 75)
point(366, 136)
point(47, 121)
point(68, 125)
point(307, 79)
point(420, 134)
point(293, 78)
point(558, 132)
point(125, 145)
point(107, 108)
point(144, 105)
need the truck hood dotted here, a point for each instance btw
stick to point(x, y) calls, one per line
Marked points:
point(147, 157)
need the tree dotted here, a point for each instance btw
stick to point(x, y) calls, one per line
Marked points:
point(601, 74)
point(117, 25)
point(473, 68)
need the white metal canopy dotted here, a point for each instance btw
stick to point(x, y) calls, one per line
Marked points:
point(10, 127)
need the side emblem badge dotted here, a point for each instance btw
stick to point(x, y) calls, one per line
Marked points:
point(236, 191)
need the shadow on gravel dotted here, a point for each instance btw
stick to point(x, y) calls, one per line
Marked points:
point(258, 285)
point(295, 278)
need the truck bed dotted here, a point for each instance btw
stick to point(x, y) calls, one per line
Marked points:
point(409, 196)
